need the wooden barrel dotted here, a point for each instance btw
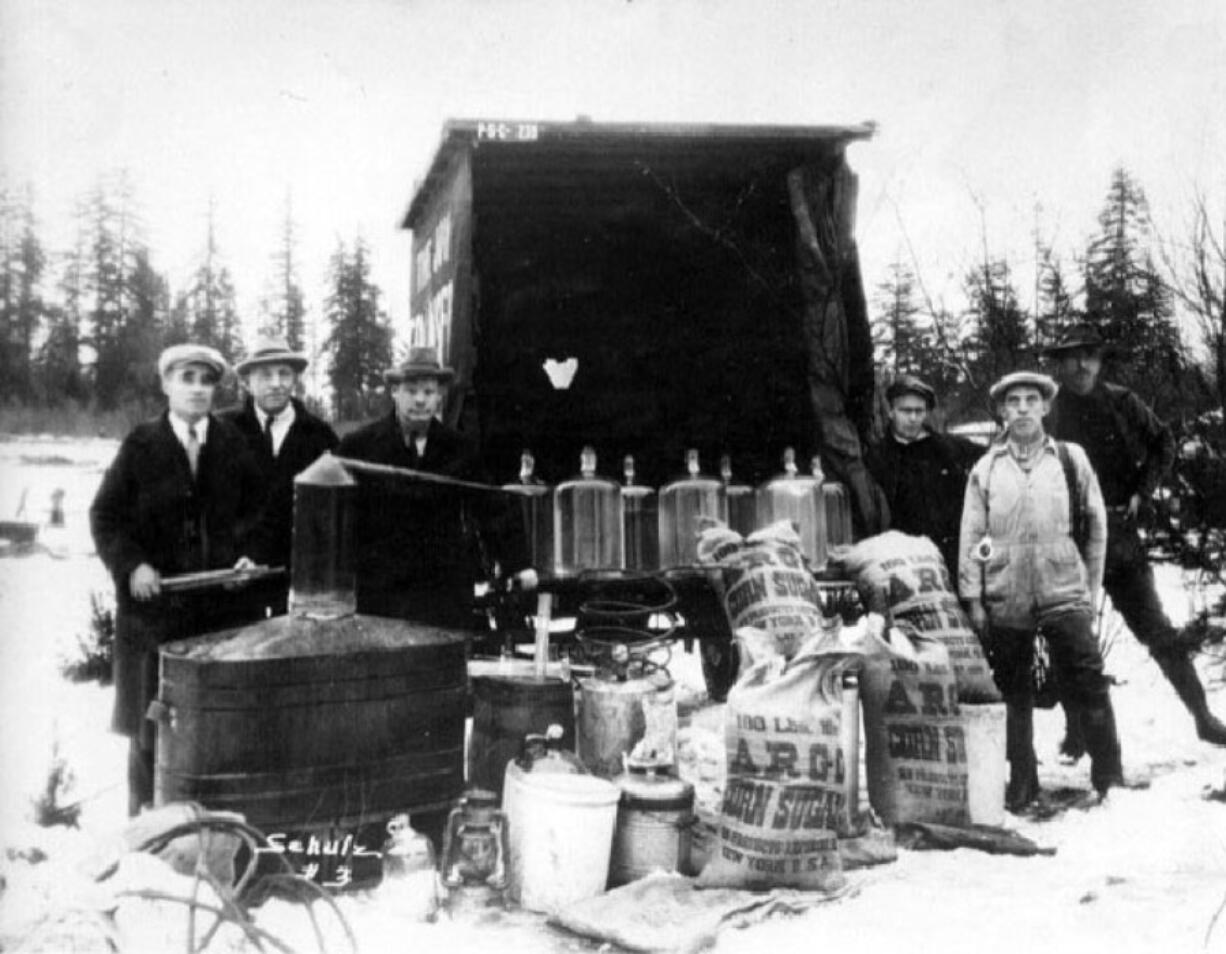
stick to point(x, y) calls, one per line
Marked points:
point(505, 709)
point(293, 721)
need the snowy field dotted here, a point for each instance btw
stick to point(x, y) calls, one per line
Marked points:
point(1144, 872)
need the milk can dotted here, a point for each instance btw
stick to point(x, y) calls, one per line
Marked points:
point(587, 521)
point(640, 517)
point(796, 497)
point(627, 707)
point(837, 507)
point(742, 508)
point(536, 508)
point(684, 504)
point(655, 817)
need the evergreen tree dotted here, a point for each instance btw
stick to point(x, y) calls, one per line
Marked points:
point(22, 308)
point(178, 328)
point(1054, 307)
point(360, 340)
point(141, 337)
point(897, 338)
point(1128, 300)
point(1000, 339)
point(207, 308)
point(284, 309)
point(57, 369)
point(943, 360)
point(104, 216)
point(1197, 270)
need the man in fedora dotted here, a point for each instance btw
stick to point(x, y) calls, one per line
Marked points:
point(284, 438)
point(1131, 450)
point(420, 543)
point(1022, 570)
point(181, 496)
point(921, 472)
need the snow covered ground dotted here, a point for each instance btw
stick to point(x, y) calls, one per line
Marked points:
point(1144, 872)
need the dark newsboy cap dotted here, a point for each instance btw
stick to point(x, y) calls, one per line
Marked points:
point(909, 384)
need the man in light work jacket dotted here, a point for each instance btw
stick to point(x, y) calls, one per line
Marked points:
point(1131, 450)
point(1021, 570)
point(284, 438)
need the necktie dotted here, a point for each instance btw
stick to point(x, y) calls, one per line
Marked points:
point(193, 449)
point(268, 435)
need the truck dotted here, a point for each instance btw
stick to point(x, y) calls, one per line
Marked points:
point(646, 289)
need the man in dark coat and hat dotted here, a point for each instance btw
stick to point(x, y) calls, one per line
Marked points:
point(422, 544)
point(284, 438)
point(921, 472)
point(1131, 451)
point(181, 496)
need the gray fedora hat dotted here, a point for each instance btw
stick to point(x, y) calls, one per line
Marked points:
point(272, 351)
point(421, 363)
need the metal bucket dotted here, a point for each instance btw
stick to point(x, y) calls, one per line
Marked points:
point(507, 708)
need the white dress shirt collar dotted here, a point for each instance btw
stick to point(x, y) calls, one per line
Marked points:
point(180, 426)
point(280, 425)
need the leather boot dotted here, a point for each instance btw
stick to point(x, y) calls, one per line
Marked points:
point(1181, 673)
point(1073, 745)
point(1103, 744)
point(1019, 749)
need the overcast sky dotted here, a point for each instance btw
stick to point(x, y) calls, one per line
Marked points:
point(1005, 114)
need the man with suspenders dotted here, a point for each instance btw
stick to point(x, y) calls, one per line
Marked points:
point(1021, 570)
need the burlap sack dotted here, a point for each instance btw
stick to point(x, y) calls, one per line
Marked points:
point(905, 576)
point(785, 800)
point(915, 744)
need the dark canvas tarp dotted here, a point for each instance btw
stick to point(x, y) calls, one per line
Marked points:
point(836, 329)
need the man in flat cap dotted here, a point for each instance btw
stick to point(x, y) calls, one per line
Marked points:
point(420, 542)
point(921, 472)
point(284, 438)
point(180, 497)
point(1131, 450)
point(1022, 570)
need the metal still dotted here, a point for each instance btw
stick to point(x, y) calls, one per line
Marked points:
point(628, 707)
point(323, 584)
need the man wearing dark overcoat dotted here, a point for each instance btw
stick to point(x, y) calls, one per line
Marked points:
point(180, 496)
point(921, 472)
point(421, 545)
point(284, 438)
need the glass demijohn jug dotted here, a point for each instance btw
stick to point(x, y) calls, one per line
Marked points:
point(587, 521)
